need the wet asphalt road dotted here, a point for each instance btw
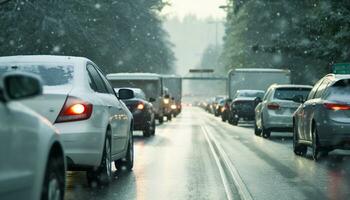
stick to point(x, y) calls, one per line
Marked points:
point(196, 156)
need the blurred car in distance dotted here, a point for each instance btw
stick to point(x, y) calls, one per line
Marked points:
point(94, 125)
point(243, 105)
point(31, 155)
point(142, 111)
point(275, 112)
point(225, 109)
point(174, 85)
point(323, 120)
point(215, 104)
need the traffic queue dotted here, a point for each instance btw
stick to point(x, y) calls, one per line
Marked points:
point(317, 116)
point(67, 115)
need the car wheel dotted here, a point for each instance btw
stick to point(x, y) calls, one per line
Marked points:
point(148, 130)
point(102, 175)
point(257, 131)
point(128, 161)
point(54, 182)
point(298, 149)
point(315, 145)
point(153, 132)
point(161, 120)
point(266, 133)
point(169, 117)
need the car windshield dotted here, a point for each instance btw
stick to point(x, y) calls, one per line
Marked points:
point(290, 93)
point(51, 74)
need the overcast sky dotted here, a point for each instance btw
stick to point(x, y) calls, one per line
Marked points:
point(201, 8)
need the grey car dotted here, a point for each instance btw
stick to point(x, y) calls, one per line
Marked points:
point(323, 120)
point(275, 112)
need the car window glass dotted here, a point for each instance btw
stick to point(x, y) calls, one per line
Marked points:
point(100, 86)
point(106, 83)
point(91, 82)
point(266, 94)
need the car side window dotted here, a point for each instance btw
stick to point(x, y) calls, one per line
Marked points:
point(106, 83)
point(314, 89)
point(100, 87)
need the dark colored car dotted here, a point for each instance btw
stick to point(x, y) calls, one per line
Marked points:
point(142, 111)
point(225, 109)
point(323, 120)
point(243, 106)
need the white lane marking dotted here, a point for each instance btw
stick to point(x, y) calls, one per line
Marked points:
point(241, 187)
point(228, 192)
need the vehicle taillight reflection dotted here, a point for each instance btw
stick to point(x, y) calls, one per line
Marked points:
point(273, 106)
point(140, 106)
point(74, 109)
point(336, 106)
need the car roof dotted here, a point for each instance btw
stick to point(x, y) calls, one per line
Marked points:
point(43, 59)
point(133, 76)
point(250, 91)
point(244, 99)
point(291, 86)
point(337, 77)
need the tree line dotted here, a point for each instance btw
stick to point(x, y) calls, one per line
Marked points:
point(305, 36)
point(119, 35)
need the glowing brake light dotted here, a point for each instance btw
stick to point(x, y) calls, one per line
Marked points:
point(273, 106)
point(173, 106)
point(74, 109)
point(336, 106)
point(166, 101)
point(140, 106)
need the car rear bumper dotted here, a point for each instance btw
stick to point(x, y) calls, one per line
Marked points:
point(83, 143)
point(278, 122)
point(141, 120)
point(334, 134)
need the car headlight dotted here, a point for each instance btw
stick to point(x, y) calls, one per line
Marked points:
point(166, 101)
point(173, 106)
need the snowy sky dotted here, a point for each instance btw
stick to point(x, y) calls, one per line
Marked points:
point(201, 8)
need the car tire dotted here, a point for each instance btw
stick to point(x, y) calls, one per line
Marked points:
point(266, 133)
point(103, 174)
point(161, 120)
point(298, 149)
point(128, 161)
point(147, 132)
point(153, 132)
point(54, 181)
point(169, 117)
point(257, 131)
point(316, 149)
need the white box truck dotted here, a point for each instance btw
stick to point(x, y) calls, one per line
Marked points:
point(255, 79)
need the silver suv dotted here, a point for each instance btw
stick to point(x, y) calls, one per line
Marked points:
point(323, 120)
point(275, 112)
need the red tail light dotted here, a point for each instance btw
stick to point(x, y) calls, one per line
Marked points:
point(74, 109)
point(273, 106)
point(336, 106)
point(140, 106)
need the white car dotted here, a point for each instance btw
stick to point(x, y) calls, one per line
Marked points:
point(95, 126)
point(275, 112)
point(32, 162)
